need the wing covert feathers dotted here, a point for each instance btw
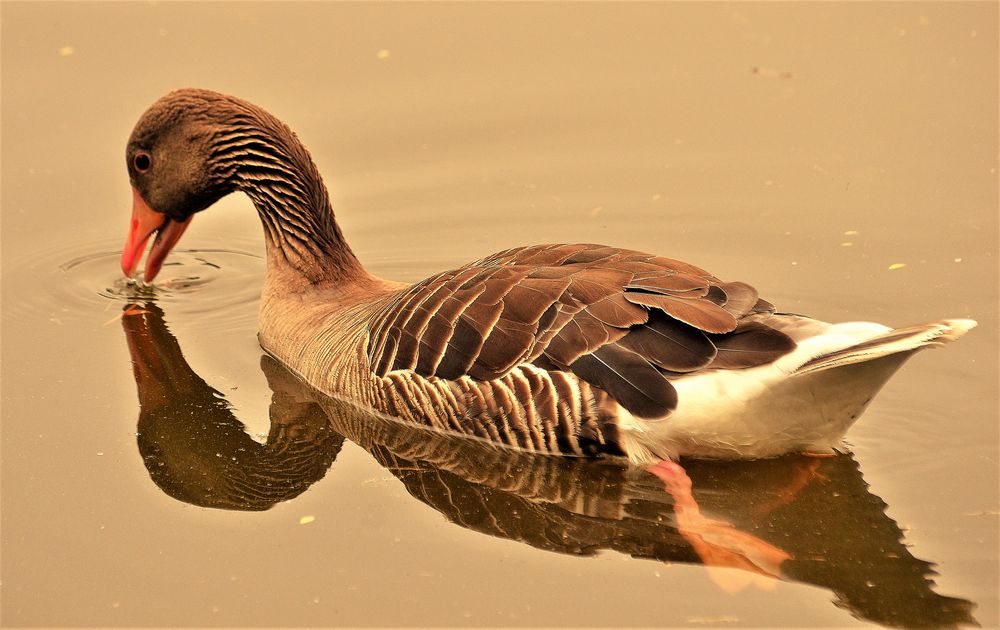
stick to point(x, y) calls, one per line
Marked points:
point(620, 320)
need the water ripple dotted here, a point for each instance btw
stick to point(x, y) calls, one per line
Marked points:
point(216, 287)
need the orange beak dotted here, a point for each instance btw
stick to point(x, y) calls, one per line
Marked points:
point(146, 222)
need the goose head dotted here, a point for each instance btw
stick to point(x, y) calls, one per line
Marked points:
point(192, 147)
point(173, 173)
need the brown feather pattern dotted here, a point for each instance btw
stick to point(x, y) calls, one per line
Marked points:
point(620, 321)
point(529, 408)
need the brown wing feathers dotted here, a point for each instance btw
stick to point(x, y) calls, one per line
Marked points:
point(629, 379)
point(670, 344)
point(621, 320)
point(752, 343)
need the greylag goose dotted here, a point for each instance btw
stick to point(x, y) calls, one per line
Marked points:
point(565, 349)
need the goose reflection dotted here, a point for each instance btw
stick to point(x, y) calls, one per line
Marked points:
point(797, 518)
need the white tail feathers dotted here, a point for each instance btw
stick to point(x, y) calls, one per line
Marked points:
point(895, 341)
point(957, 327)
point(799, 402)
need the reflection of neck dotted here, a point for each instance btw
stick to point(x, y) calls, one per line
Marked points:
point(197, 451)
point(193, 446)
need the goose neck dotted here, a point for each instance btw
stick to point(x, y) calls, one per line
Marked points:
point(278, 175)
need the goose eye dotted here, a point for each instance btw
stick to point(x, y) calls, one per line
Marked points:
point(142, 161)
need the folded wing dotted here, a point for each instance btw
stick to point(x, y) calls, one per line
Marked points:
point(624, 321)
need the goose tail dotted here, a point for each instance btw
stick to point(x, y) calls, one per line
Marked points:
point(804, 401)
point(895, 341)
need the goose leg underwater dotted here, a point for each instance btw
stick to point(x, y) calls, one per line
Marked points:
point(576, 349)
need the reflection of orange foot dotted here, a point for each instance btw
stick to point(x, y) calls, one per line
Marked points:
point(675, 479)
point(804, 472)
point(717, 543)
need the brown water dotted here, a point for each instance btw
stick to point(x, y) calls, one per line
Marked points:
point(803, 148)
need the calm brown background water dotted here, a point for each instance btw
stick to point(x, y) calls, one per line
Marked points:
point(803, 148)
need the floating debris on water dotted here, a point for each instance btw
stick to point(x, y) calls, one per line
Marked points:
point(305, 520)
point(712, 621)
point(66, 51)
point(895, 266)
point(383, 53)
point(771, 73)
point(984, 513)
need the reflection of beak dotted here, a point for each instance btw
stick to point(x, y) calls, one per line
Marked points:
point(150, 361)
point(146, 222)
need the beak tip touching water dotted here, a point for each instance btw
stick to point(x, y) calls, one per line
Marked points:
point(145, 223)
point(132, 252)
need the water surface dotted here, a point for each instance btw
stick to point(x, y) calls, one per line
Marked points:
point(805, 149)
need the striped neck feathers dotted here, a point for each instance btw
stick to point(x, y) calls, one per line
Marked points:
point(260, 156)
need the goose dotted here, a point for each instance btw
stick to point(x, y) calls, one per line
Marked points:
point(563, 349)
